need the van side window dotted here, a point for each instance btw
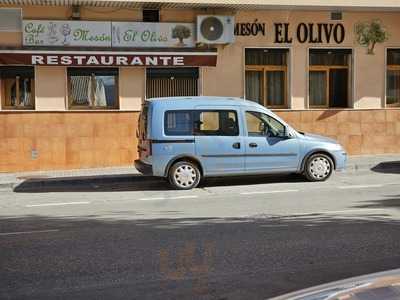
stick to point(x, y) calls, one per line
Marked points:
point(216, 122)
point(178, 122)
point(259, 124)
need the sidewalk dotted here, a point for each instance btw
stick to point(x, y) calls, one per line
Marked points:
point(355, 164)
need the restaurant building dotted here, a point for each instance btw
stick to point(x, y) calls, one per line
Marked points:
point(74, 73)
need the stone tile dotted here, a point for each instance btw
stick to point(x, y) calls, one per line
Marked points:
point(343, 116)
point(392, 115)
point(353, 146)
point(306, 117)
point(367, 116)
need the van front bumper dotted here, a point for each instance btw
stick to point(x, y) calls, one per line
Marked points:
point(145, 169)
point(340, 159)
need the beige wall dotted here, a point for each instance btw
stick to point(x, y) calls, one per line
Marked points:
point(131, 88)
point(368, 70)
point(50, 88)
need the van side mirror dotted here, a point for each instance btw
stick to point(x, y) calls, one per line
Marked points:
point(288, 134)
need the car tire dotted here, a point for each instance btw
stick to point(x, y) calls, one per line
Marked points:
point(319, 167)
point(184, 175)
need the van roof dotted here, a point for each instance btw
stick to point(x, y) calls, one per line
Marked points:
point(204, 100)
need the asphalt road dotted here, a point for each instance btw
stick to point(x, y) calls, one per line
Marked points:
point(128, 237)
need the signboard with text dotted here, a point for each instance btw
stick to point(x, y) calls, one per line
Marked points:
point(94, 59)
point(138, 34)
point(66, 33)
point(107, 34)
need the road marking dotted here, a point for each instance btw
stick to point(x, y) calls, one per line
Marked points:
point(149, 199)
point(169, 198)
point(184, 197)
point(312, 214)
point(268, 192)
point(57, 204)
point(28, 232)
point(345, 187)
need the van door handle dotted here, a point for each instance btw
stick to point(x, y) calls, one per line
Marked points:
point(236, 145)
point(253, 145)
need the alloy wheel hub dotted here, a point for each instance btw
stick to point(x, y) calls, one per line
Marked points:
point(185, 176)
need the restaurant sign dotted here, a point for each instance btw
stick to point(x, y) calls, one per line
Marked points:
point(138, 34)
point(107, 34)
point(107, 59)
point(66, 33)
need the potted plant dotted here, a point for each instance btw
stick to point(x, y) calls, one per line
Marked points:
point(181, 32)
point(368, 34)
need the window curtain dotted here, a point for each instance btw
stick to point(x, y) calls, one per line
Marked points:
point(25, 92)
point(99, 93)
point(317, 87)
point(80, 90)
point(265, 56)
point(393, 57)
point(275, 88)
point(330, 57)
point(254, 86)
point(393, 87)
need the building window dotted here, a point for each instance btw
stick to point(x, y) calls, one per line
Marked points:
point(171, 82)
point(17, 87)
point(393, 77)
point(266, 76)
point(329, 78)
point(93, 88)
point(151, 15)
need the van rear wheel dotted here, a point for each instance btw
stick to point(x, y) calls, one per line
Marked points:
point(184, 175)
point(319, 167)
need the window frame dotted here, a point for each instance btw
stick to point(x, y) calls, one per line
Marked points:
point(92, 107)
point(390, 67)
point(199, 111)
point(4, 94)
point(327, 68)
point(266, 68)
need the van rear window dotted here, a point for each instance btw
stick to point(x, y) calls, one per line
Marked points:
point(178, 122)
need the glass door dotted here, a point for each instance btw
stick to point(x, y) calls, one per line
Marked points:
point(338, 81)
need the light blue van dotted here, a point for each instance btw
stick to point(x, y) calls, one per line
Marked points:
point(186, 139)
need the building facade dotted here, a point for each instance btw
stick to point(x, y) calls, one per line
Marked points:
point(73, 75)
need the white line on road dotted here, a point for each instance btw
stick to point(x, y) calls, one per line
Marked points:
point(183, 197)
point(268, 192)
point(170, 198)
point(57, 204)
point(334, 212)
point(28, 232)
point(345, 187)
point(149, 199)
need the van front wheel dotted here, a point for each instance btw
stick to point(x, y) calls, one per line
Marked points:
point(184, 175)
point(319, 167)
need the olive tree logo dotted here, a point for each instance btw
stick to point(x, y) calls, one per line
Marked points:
point(181, 32)
point(368, 34)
